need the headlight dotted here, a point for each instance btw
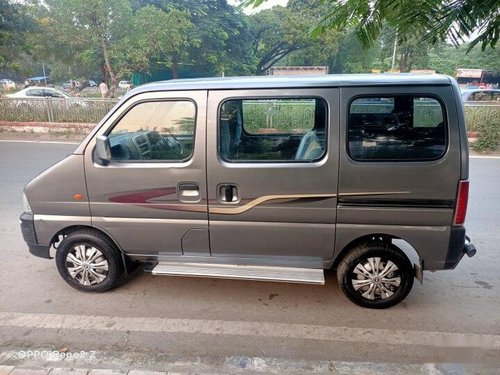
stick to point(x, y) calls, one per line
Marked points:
point(26, 205)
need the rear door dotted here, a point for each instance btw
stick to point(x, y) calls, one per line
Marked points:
point(272, 166)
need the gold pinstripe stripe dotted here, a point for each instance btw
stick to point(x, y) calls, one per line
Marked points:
point(236, 210)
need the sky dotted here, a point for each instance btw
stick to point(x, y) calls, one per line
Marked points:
point(266, 5)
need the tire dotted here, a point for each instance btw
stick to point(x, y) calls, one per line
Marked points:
point(370, 290)
point(89, 261)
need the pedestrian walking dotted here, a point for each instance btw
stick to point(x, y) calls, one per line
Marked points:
point(103, 87)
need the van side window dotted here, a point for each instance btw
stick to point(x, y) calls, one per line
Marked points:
point(161, 131)
point(396, 128)
point(273, 130)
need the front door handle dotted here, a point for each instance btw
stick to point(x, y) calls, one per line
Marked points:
point(228, 193)
point(188, 192)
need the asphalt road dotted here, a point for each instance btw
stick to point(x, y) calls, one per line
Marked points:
point(453, 317)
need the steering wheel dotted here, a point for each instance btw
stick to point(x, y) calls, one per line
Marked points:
point(171, 142)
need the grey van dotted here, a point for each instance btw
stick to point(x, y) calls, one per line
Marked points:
point(264, 178)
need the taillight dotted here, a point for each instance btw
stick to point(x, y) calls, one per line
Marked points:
point(461, 205)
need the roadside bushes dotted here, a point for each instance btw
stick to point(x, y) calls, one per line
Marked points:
point(485, 120)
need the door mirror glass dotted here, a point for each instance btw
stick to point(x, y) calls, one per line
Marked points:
point(103, 149)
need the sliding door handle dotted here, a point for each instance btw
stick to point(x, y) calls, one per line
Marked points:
point(228, 193)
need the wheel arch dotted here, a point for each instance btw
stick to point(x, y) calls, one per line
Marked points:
point(66, 231)
point(401, 244)
point(128, 264)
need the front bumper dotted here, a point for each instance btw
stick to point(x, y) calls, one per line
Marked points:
point(29, 235)
point(459, 245)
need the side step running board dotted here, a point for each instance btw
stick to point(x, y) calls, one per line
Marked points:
point(232, 271)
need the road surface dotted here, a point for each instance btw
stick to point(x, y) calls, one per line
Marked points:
point(453, 317)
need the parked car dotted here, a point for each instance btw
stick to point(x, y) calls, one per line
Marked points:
point(35, 92)
point(92, 83)
point(71, 84)
point(125, 85)
point(39, 92)
point(184, 178)
point(7, 84)
point(481, 95)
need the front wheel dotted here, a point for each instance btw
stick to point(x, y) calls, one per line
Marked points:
point(89, 262)
point(375, 275)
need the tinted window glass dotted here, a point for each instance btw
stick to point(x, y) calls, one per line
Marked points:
point(272, 129)
point(53, 94)
point(485, 96)
point(34, 92)
point(396, 128)
point(155, 131)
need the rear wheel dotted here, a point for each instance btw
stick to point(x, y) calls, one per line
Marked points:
point(375, 275)
point(88, 261)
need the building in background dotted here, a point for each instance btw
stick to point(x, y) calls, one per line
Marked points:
point(297, 70)
point(478, 78)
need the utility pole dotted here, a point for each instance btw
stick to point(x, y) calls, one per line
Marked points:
point(394, 51)
point(44, 75)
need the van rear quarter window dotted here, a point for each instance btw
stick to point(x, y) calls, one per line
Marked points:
point(396, 128)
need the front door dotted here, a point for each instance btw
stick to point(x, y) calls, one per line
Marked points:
point(272, 167)
point(151, 197)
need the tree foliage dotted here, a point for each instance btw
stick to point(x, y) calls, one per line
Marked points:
point(165, 44)
point(15, 25)
point(86, 27)
point(435, 20)
point(283, 33)
point(220, 37)
point(115, 38)
point(276, 33)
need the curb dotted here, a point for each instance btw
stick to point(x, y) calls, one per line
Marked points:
point(45, 127)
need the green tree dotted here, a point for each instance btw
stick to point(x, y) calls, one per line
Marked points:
point(92, 29)
point(165, 35)
point(15, 26)
point(221, 36)
point(353, 58)
point(436, 20)
point(282, 34)
point(446, 59)
point(277, 32)
point(411, 52)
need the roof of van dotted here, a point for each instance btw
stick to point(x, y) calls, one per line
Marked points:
point(328, 80)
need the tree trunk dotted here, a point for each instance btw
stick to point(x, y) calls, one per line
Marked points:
point(403, 62)
point(114, 83)
point(175, 67)
point(104, 70)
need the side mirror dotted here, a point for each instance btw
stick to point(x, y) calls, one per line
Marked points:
point(103, 149)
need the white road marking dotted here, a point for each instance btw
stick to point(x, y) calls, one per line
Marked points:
point(484, 157)
point(253, 329)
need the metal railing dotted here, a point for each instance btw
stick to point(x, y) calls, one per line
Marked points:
point(480, 114)
point(73, 110)
point(91, 111)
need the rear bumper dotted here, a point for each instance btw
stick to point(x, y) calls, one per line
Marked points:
point(459, 245)
point(29, 236)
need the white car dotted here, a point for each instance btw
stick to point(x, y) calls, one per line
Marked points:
point(46, 92)
point(39, 92)
point(7, 84)
point(125, 84)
